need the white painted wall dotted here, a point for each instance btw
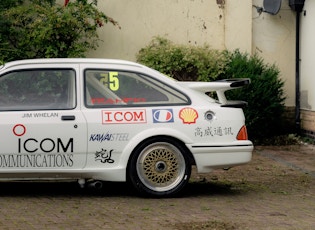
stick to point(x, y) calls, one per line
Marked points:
point(238, 25)
point(274, 41)
point(188, 22)
point(307, 56)
point(195, 22)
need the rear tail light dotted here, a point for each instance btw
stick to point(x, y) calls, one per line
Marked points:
point(242, 134)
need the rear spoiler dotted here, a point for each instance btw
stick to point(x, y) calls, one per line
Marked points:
point(220, 87)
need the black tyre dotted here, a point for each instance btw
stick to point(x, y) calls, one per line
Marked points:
point(159, 167)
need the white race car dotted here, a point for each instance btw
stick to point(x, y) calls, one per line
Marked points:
point(95, 120)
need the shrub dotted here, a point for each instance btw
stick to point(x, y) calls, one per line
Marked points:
point(264, 95)
point(186, 63)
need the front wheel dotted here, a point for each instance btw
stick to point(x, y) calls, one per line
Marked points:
point(159, 167)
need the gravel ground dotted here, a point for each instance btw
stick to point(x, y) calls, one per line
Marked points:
point(274, 191)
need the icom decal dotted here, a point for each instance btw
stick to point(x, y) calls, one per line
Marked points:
point(57, 152)
point(162, 115)
point(46, 145)
point(104, 156)
point(132, 116)
point(100, 137)
point(188, 115)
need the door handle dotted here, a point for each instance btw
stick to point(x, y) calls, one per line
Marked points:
point(68, 118)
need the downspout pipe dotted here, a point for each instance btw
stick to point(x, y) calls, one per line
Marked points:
point(297, 5)
point(297, 75)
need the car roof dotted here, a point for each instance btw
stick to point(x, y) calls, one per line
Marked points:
point(71, 60)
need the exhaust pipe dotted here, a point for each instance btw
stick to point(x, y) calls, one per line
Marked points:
point(95, 184)
point(81, 183)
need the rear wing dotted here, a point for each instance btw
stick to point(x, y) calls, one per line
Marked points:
point(220, 87)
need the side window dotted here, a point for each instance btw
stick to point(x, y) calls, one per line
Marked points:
point(117, 88)
point(44, 89)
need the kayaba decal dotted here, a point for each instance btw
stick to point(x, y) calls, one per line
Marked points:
point(162, 115)
point(133, 116)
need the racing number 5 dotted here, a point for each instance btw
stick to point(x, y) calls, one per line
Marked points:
point(110, 80)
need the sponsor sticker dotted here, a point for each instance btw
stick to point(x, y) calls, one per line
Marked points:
point(19, 130)
point(104, 156)
point(213, 131)
point(162, 115)
point(131, 116)
point(100, 137)
point(188, 115)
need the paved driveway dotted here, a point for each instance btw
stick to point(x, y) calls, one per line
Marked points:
point(275, 191)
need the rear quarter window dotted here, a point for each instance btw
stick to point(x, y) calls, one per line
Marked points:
point(117, 88)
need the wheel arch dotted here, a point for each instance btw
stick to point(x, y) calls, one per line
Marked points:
point(161, 137)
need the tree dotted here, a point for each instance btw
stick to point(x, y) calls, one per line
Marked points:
point(45, 29)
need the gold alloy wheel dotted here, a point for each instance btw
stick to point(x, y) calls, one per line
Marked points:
point(161, 166)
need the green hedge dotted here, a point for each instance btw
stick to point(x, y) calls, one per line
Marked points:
point(186, 63)
point(265, 95)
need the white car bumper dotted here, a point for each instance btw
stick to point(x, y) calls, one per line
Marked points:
point(210, 157)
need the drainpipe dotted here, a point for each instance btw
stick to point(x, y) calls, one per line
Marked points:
point(297, 5)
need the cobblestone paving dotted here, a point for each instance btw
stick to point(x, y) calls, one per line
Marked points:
point(212, 199)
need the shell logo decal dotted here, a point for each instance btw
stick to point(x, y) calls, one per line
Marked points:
point(188, 115)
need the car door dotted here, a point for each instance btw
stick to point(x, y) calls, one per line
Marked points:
point(42, 127)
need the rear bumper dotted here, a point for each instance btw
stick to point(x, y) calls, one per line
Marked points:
point(210, 157)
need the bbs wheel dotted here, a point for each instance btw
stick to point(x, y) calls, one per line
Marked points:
point(159, 167)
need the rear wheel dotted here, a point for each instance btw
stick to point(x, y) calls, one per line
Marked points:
point(159, 167)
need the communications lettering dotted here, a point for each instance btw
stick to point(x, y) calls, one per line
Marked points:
point(36, 160)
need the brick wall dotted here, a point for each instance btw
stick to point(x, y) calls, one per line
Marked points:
point(289, 120)
point(308, 123)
